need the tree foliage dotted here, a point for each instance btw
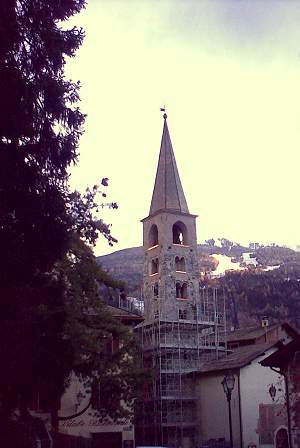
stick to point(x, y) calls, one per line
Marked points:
point(39, 130)
point(48, 272)
point(253, 294)
point(210, 242)
point(89, 328)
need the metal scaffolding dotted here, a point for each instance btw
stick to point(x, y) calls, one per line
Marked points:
point(171, 349)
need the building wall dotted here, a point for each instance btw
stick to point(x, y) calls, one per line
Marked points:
point(88, 423)
point(165, 305)
point(294, 391)
point(212, 409)
point(260, 415)
point(255, 417)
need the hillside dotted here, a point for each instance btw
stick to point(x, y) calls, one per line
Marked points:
point(127, 264)
point(271, 288)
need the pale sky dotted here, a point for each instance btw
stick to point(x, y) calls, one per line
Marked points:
point(228, 72)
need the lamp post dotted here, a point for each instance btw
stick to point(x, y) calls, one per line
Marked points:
point(228, 386)
point(272, 391)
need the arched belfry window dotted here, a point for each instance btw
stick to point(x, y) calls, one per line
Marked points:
point(179, 233)
point(180, 264)
point(153, 235)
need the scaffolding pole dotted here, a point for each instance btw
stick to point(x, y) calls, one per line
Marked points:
point(176, 348)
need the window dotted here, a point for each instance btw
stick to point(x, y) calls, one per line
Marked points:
point(184, 291)
point(154, 266)
point(180, 264)
point(179, 233)
point(182, 314)
point(155, 290)
point(181, 290)
point(153, 235)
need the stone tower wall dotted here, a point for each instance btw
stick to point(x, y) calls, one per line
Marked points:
point(163, 302)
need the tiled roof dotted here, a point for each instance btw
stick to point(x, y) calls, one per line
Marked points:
point(239, 358)
point(122, 314)
point(282, 356)
point(243, 334)
point(252, 333)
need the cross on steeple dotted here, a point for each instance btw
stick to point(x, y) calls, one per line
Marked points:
point(163, 109)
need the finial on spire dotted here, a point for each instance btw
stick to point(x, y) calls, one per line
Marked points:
point(163, 109)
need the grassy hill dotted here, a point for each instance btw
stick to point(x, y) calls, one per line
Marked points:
point(126, 265)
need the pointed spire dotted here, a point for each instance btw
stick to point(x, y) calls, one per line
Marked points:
point(168, 192)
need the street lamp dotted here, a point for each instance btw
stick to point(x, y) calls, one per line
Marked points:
point(272, 391)
point(228, 386)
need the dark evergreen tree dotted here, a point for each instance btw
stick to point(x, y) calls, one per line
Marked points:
point(42, 224)
point(40, 125)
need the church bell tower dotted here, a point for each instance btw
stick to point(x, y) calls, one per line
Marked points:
point(171, 272)
point(182, 321)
